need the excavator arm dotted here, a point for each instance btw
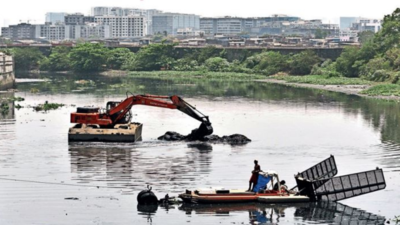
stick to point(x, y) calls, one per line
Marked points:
point(171, 102)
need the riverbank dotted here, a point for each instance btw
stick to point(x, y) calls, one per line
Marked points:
point(350, 86)
point(349, 89)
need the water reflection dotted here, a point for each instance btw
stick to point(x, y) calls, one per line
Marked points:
point(316, 212)
point(131, 167)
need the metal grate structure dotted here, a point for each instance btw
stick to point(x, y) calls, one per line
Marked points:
point(319, 182)
point(323, 170)
point(348, 186)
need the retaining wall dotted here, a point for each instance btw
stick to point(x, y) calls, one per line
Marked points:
point(7, 77)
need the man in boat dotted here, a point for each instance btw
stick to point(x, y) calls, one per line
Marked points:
point(254, 175)
point(284, 188)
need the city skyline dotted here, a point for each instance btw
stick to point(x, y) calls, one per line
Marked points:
point(34, 12)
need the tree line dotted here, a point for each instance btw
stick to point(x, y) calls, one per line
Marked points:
point(87, 57)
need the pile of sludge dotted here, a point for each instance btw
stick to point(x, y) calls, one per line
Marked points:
point(235, 139)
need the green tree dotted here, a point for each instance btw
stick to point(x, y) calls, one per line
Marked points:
point(27, 58)
point(217, 64)
point(302, 63)
point(209, 52)
point(272, 62)
point(88, 57)
point(365, 36)
point(344, 64)
point(117, 57)
point(58, 60)
point(152, 57)
point(389, 36)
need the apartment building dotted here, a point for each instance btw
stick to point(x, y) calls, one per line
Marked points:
point(53, 32)
point(91, 31)
point(169, 23)
point(236, 25)
point(22, 31)
point(124, 26)
point(78, 19)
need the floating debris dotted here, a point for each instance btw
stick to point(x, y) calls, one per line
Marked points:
point(235, 139)
point(34, 90)
point(47, 106)
point(75, 199)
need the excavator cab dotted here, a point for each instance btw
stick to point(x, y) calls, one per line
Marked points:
point(111, 105)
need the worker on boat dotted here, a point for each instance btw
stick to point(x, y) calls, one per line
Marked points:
point(284, 188)
point(254, 175)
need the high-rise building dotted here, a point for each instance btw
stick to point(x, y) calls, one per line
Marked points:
point(78, 19)
point(53, 32)
point(117, 11)
point(169, 23)
point(236, 25)
point(124, 26)
point(55, 17)
point(22, 31)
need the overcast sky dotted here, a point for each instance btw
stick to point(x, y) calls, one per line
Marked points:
point(14, 11)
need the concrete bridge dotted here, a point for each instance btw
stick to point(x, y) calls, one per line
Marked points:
point(7, 77)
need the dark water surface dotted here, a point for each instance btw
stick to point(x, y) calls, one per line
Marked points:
point(292, 129)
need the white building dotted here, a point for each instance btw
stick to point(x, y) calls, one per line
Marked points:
point(118, 11)
point(55, 17)
point(61, 32)
point(363, 24)
point(124, 26)
point(360, 24)
point(53, 32)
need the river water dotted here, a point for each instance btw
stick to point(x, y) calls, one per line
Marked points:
point(45, 180)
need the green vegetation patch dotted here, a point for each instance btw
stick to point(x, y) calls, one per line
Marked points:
point(47, 106)
point(383, 89)
point(323, 80)
point(196, 75)
point(4, 108)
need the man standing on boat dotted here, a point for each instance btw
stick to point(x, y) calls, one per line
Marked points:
point(254, 175)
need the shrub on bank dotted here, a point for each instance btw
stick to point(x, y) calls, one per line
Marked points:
point(383, 89)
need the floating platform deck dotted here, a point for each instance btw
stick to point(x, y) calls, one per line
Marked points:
point(131, 132)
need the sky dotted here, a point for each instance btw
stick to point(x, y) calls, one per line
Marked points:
point(15, 11)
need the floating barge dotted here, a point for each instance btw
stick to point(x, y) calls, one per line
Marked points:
point(130, 132)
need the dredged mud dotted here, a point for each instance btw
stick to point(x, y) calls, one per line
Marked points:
point(234, 139)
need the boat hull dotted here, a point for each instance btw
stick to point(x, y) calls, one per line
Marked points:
point(244, 197)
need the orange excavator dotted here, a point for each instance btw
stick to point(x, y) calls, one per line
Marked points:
point(117, 113)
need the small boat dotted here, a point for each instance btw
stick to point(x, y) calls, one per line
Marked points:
point(262, 192)
point(314, 184)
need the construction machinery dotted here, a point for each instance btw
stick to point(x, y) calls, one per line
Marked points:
point(113, 124)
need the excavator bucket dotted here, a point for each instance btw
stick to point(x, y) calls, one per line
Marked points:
point(205, 129)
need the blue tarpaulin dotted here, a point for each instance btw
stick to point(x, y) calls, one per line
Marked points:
point(261, 183)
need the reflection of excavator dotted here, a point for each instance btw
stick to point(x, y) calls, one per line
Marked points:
point(115, 120)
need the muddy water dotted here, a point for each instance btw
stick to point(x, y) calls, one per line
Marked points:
point(44, 180)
